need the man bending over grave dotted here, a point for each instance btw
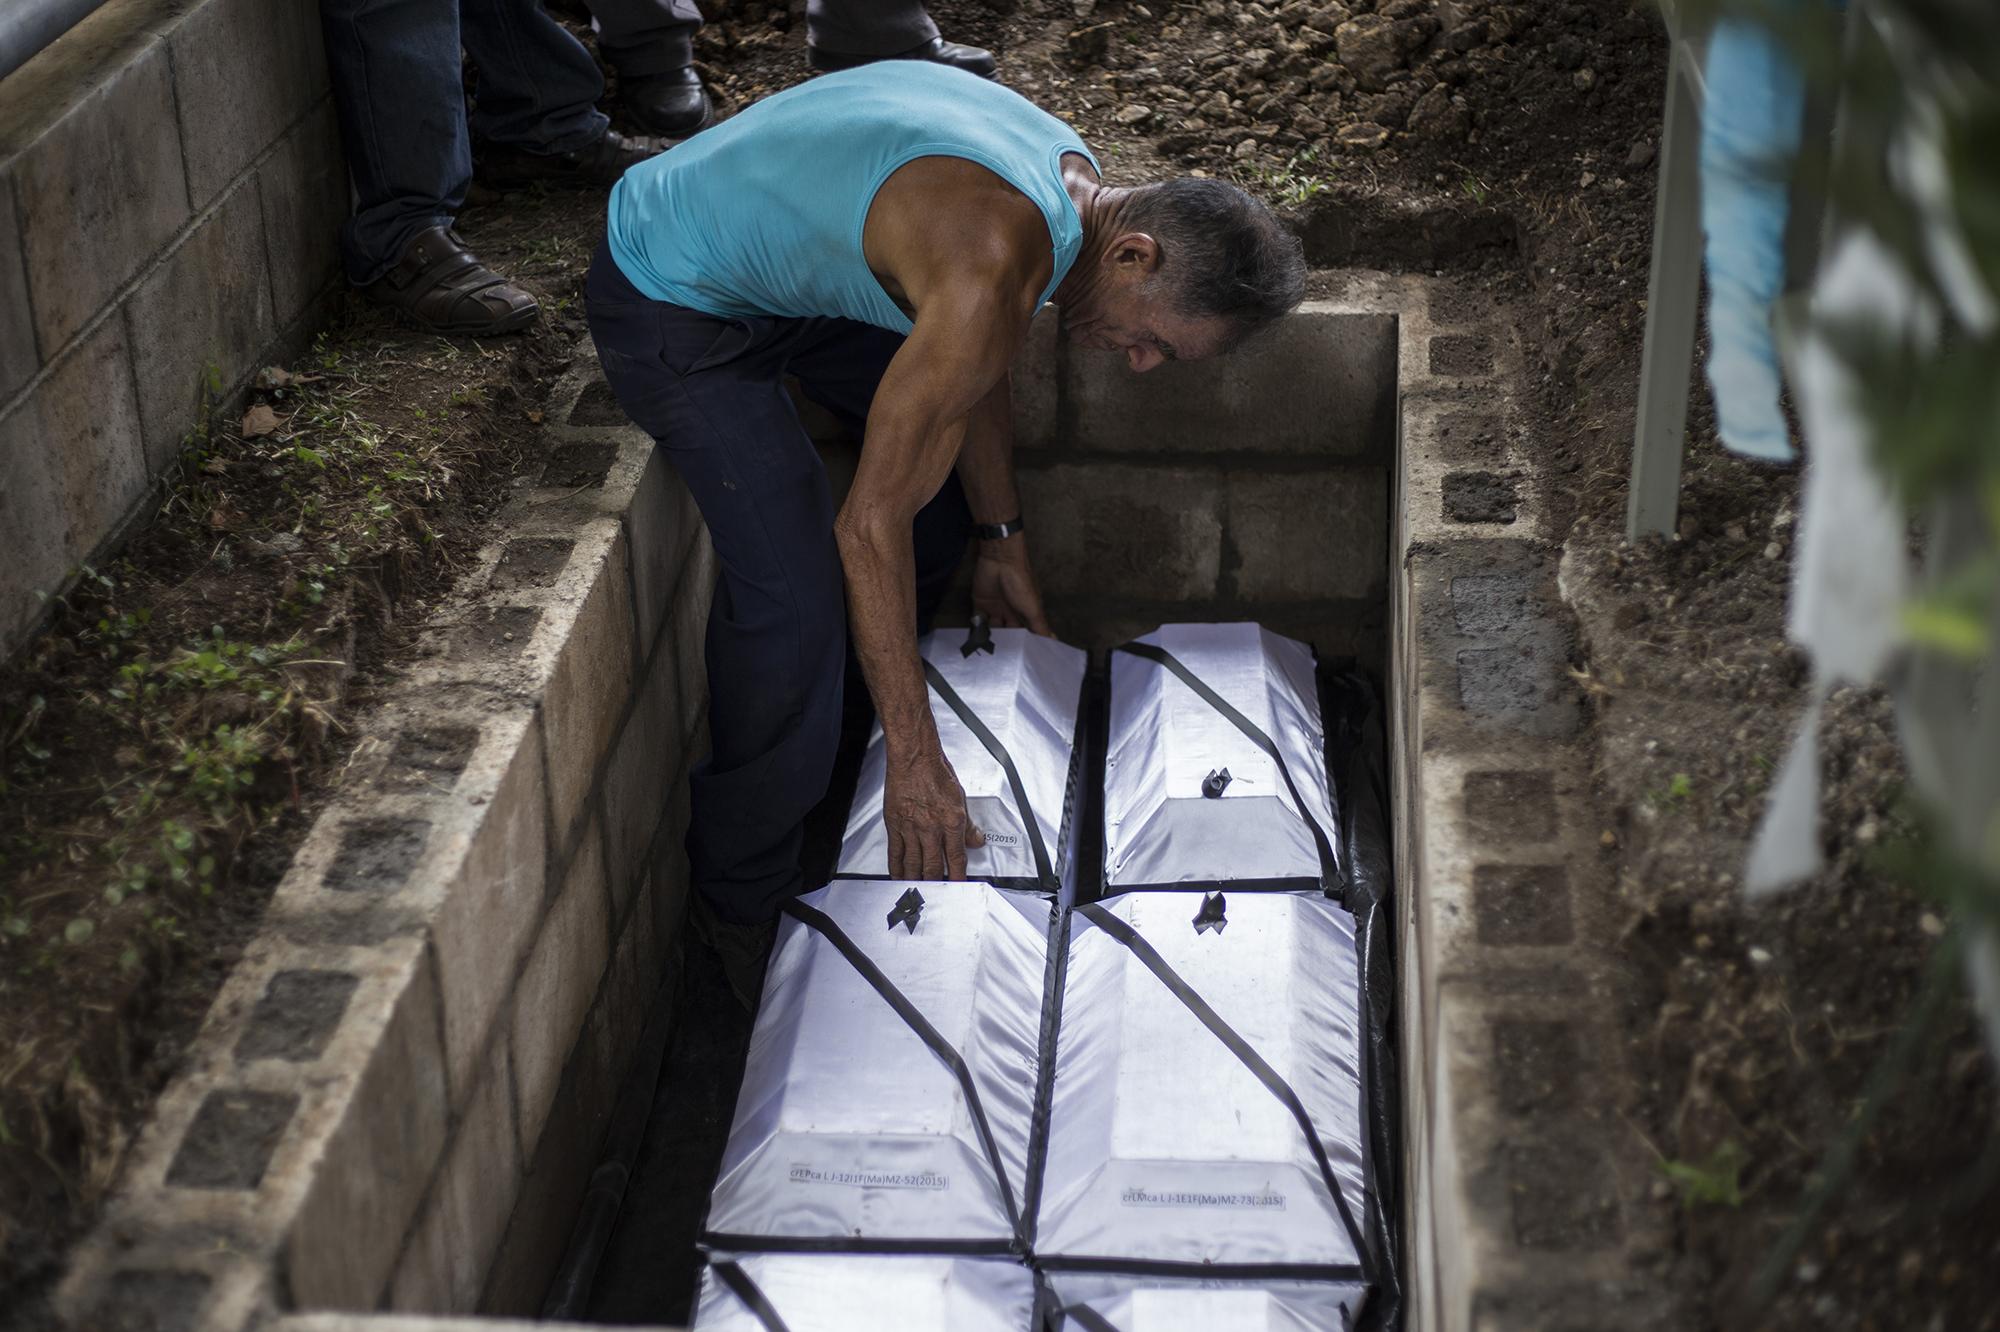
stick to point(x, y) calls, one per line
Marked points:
point(885, 234)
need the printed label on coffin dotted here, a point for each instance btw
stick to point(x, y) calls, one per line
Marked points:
point(863, 1293)
point(1024, 694)
point(1154, 1304)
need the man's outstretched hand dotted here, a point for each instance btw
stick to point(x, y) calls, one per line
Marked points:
point(1003, 587)
point(929, 828)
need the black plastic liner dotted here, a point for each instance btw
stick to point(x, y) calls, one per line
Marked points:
point(1357, 756)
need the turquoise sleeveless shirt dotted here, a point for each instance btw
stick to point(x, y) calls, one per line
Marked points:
point(762, 215)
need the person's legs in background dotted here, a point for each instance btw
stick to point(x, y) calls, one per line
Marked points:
point(841, 34)
point(651, 45)
point(397, 87)
point(535, 113)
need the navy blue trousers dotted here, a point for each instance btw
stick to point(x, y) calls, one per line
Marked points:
point(712, 393)
point(399, 91)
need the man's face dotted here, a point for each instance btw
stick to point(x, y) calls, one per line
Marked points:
point(1124, 314)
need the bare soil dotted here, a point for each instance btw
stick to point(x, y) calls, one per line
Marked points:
point(1512, 147)
point(169, 739)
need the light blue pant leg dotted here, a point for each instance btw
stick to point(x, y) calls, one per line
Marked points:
point(1750, 138)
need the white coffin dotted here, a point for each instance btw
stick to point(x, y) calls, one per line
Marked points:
point(1156, 1304)
point(1163, 1146)
point(872, 1293)
point(1026, 692)
point(847, 1125)
point(1165, 740)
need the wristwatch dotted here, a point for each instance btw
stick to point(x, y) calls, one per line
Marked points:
point(998, 531)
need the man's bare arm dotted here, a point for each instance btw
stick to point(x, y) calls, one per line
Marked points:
point(958, 350)
point(1003, 582)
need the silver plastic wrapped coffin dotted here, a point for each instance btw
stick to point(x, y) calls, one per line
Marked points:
point(864, 1293)
point(1190, 796)
point(1160, 1304)
point(860, 1123)
point(1023, 690)
point(1207, 1105)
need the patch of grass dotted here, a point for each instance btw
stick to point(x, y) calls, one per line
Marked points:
point(1676, 794)
point(1303, 177)
point(1715, 1182)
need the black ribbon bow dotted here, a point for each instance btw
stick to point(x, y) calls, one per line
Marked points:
point(1213, 785)
point(1211, 916)
point(908, 907)
point(979, 638)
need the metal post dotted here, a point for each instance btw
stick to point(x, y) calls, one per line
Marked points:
point(1673, 300)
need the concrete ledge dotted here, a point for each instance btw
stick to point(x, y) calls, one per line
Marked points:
point(1520, 1211)
point(453, 972)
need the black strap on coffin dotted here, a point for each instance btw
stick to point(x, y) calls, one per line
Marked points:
point(931, 1036)
point(1044, 870)
point(1329, 868)
point(743, 1288)
point(1242, 1049)
point(1087, 1318)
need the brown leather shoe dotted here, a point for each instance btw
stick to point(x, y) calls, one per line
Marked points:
point(504, 167)
point(441, 285)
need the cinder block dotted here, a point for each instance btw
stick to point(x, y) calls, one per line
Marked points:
point(629, 989)
point(31, 504)
point(98, 185)
point(380, 1159)
point(302, 188)
point(644, 767)
point(1320, 382)
point(19, 358)
point(422, 1283)
point(1302, 536)
point(1034, 377)
point(692, 600)
point(480, 1180)
point(1109, 530)
point(70, 468)
point(208, 305)
point(667, 879)
point(90, 416)
point(244, 71)
point(493, 908)
point(663, 524)
point(563, 974)
point(590, 682)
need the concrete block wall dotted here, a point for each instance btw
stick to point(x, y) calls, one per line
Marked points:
point(1254, 487)
point(171, 184)
point(1520, 1210)
point(399, 1096)
point(1251, 487)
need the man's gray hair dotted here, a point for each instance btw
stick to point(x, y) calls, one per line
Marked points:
point(1223, 254)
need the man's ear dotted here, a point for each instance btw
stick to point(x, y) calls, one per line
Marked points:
point(1136, 253)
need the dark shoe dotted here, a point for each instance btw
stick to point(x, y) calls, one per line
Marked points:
point(744, 950)
point(439, 284)
point(672, 105)
point(971, 59)
point(506, 167)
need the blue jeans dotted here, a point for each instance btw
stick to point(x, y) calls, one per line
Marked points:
point(711, 392)
point(398, 90)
